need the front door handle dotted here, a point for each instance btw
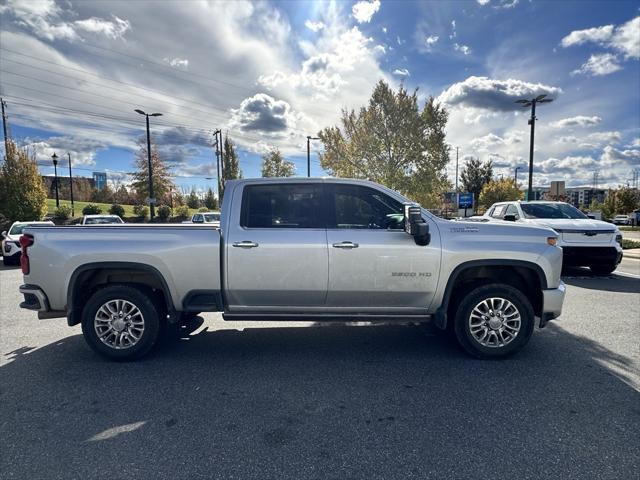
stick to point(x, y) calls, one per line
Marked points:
point(245, 244)
point(347, 245)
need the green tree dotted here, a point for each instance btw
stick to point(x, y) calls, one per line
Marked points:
point(22, 193)
point(162, 178)
point(103, 195)
point(393, 142)
point(502, 190)
point(164, 212)
point(210, 200)
point(117, 209)
point(627, 200)
point(231, 169)
point(274, 165)
point(192, 199)
point(475, 175)
point(91, 209)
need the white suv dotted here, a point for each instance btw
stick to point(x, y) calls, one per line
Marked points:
point(585, 242)
point(11, 241)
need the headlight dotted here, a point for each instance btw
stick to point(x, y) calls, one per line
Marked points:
point(619, 238)
point(552, 241)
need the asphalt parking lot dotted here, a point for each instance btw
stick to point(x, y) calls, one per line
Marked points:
point(237, 400)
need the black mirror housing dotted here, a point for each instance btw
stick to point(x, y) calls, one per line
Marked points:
point(509, 218)
point(415, 225)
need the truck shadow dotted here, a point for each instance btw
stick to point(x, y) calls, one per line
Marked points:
point(360, 402)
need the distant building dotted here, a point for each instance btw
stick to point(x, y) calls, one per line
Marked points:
point(100, 179)
point(582, 197)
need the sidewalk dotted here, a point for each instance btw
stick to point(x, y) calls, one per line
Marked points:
point(632, 253)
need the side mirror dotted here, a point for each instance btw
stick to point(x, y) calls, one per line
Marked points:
point(4, 234)
point(509, 218)
point(591, 216)
point(415, 225)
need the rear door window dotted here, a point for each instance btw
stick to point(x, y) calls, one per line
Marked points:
point(283, 206)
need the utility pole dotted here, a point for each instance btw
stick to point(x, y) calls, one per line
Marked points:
point(309, 138)
point(54, 157)
point(456, 169)
point(152, 201)
point(71, 185)
point(516, 176)
point(222, 165)
point(217, 145)
point(532, 121)
point(4, 129)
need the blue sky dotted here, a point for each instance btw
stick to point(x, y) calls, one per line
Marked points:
point(270, 73)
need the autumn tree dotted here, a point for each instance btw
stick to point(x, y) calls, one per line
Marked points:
point(162, 178)
point(627, 200)
point(475, 175)
point(502, 190)
point(22, 192)
point(393, 142)
point(274, 165)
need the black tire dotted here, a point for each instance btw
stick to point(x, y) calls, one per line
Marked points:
point(603, 269)
point(139, 297)
point(463, 330)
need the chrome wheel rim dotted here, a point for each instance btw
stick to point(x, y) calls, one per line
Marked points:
point(119, 324)
point(494, 322)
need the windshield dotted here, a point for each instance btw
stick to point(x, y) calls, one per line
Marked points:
point(17, 229)
point(551, 210)
point(102, 220)
point(211, 217)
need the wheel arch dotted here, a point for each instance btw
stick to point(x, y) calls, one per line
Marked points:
point(87, 278)
point(527, 277)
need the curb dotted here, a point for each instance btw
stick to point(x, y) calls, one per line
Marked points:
point(635, 255)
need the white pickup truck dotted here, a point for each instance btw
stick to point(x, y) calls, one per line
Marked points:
point(298, 249)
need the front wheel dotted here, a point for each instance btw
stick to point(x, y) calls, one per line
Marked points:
point(121, 322)
point(494, 321)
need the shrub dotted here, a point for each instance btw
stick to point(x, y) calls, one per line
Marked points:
point(628, 244)
point(117, 209)
point(141, 211)
point(203, 209)
point(182, 212)
point(91, 209)
point(164, 212)
point(63, 212)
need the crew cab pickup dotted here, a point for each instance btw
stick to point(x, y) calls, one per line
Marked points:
point(298, 249)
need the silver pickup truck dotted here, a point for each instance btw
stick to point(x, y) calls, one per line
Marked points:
point(298, 249)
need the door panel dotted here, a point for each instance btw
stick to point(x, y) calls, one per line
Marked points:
point(280, 258)
point(374, 266)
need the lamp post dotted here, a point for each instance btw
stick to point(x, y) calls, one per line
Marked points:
point(54, 157)
point(71, 185)
point(309, 138)
point(516, 175)
point(532, 121)
point(152, 200)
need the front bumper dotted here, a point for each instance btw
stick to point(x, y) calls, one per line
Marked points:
point(587, 256)
point(552, 300)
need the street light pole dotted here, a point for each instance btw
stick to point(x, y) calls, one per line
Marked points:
point(54, 157)
point(309, 138)
point(532, 121)
point(516, 175)
point(71, 185)
point(152, 210)
point(456, 169)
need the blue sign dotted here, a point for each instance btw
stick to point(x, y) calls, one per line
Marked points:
point(465, 200)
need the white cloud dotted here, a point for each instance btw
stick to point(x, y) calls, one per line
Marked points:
point(577, 121)
point(483, 2)
point(613, 157)
point(462, 48)
point(363, 11)
point(111, 29)
point(493, 94)
point(82, 149)
point(401, 72)
point(314, 26)
point(623, 38)
point(599, 65)
point(431, 40)
point(265, 114)
point(604, 137)
point(181, 63)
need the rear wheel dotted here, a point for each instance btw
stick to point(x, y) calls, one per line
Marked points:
point(121, 322)
point(603, 269)
point(494, 321)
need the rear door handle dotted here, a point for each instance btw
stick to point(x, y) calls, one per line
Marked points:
point(347, 245)
point(245, 244)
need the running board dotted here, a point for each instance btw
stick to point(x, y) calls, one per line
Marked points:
point(329, 317)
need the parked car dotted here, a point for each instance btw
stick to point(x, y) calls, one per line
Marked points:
point(622, 220)
point(101, 219)
point(585, 242)
point(11, 241)
point(299, 249)
point(206, 217)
